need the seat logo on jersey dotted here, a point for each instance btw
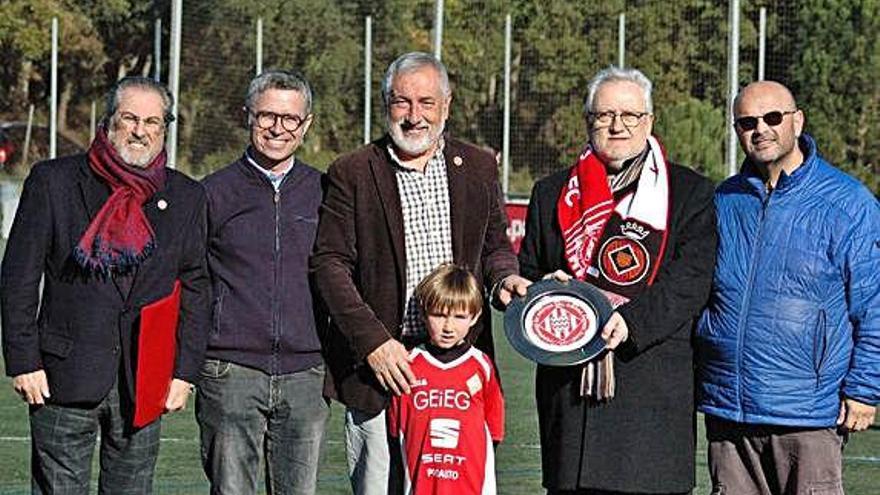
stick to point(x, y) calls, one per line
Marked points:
point(560, 323)
point(444, 433)
point(623, 260)
point(443, 472)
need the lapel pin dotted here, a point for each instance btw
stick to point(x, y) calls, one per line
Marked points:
point(162, 204)
point(457, 161)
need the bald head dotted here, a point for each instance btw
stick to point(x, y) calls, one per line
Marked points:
point(766, 90)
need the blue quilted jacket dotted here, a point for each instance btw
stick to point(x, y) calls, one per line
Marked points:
point(793, 322)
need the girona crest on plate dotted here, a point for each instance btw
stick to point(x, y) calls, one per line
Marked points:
point(560, 323)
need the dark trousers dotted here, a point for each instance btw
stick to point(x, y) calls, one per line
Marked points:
point(774, 460)
point(245, 414)
point(586, 491)
point(63, 441)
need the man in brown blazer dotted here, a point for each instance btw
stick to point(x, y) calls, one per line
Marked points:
point(393, 211)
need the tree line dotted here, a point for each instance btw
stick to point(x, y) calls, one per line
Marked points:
point(826, 51)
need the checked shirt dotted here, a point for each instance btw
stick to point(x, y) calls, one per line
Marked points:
point(427, 229)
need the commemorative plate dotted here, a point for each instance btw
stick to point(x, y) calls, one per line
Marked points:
point(558, 323)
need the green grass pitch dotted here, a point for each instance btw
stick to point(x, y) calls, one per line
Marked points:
point(518, 464)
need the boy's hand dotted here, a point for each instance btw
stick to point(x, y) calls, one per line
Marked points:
point(390, 363)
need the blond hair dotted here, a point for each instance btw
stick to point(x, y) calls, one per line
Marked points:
point(450, 288)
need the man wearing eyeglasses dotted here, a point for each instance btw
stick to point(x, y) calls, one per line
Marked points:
point(640, 228)
point(261, 390)
point(109, 232)
point(789, 345)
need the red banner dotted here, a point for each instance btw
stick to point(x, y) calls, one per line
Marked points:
point(516, 222)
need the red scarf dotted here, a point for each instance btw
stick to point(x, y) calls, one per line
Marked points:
point(584, 207)
point(120, 236)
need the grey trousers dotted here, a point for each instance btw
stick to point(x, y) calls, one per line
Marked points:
point(375, 463)
point(774, 460)
point(63, 440)
point(245, 415)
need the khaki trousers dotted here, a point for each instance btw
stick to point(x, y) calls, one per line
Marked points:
point(774, 460)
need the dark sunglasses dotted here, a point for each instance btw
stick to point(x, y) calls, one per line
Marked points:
point(770, 118)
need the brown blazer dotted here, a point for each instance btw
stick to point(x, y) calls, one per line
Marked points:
point(358, 265)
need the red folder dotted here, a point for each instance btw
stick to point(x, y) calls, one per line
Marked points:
point(157, 346)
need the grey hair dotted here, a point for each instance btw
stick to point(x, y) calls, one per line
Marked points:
point(112, 98)
point(278, 79)
point(612, 74)
point(409, 62)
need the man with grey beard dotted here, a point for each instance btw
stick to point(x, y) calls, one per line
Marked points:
point(110, 232)
point(393, 211)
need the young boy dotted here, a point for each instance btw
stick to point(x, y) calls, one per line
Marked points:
point(449, 421)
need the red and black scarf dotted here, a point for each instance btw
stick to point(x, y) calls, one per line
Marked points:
point(120, 235)
point(614, 240)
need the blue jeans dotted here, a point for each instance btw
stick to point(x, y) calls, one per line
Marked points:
point(63, 441)
point(244, 413)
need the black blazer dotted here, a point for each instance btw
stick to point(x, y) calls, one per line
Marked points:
point(85, 331)
point(643, 439)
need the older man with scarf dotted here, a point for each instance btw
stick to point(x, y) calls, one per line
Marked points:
point(109, 232)
point(642, 229)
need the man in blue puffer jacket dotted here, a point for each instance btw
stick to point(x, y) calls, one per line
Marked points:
point(789, 346)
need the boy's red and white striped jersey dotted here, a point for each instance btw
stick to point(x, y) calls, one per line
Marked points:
point(447, 423)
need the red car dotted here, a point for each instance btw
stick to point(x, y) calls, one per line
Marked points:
point(7, 149)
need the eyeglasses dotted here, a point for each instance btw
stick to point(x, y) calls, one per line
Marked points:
point(151, 124)
point(290, 123)
point(606, 119)
point(772, 119)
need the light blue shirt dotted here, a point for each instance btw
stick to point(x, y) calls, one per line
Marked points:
point(275, 178)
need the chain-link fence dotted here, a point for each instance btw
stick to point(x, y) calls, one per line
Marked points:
point(556, 48)
point(824, 50)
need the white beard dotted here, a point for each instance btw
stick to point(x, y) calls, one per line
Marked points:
point(139, 159)
point(414, 146)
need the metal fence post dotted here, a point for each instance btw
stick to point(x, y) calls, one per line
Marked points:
point(259, 63)
point(762, 42)
point(368, 79)
point(27, 135)
point(53, 98)
point(174, 78)
point(157, 50)
point(93, 121)
point(733, 83)
point(621, 40)
point(505, 146)
point(438, 28)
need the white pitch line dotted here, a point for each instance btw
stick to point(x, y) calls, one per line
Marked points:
point(854, 458)
point(169, 440)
